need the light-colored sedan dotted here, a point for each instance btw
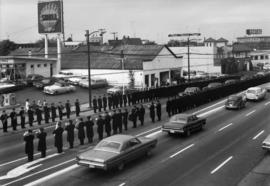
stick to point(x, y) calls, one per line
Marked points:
point(76, 80)
point(255, 93)
point(115, 151)
point(59, 88)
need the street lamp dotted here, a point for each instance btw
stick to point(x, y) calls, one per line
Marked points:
point(188, 45)
point(87, 35)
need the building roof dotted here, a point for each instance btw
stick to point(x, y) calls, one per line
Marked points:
point(210, 39)
point(103, 57)
point(222, 40)
point(239, 47)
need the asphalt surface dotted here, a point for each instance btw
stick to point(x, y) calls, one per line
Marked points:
point(222, 154)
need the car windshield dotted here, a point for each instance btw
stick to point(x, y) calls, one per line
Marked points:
point(46, 81)
point(178, 119)
point(233, 98)
point(110, 146)
point(251, 91)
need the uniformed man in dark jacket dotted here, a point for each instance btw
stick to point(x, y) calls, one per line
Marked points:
point(89, 123)
point(60, 108)
point(30, 116)
point(53, 111)
point(13, 117)
point(46, 111)
point(114, 122)
point(39, 115)
point(168, 107)
point(141, 114)
point(4, 120)
point(41, 135)
point(100, 124)
point(120, 98)
point(107, 122)
point(99, 103)
point(70, 133)
point(129, 99)
point(95, 104)
point(80, 128)
point(58, 137)
point(152, 112)
point(119, 121)
point(28, 137)
point(68, 109)
point(125, 100)
point(133, 116)
point(110, 101)
point(125, 119)
point(22, 117)
point(158, 107)
point(104, 99)
point(77, 108)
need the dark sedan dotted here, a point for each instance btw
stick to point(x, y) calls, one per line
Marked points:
point(235, 102)
point(184, 124)
point(116, 151)
point(44, 82)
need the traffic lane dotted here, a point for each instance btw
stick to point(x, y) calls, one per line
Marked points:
point(206, 152)
point(81, 177)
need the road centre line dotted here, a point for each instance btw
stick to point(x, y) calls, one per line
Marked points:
point(122, 184)
point(175, 154)
point(145, 132)
point(250, 113)
point(221, 165)
point(211, 111)
point(153, 134)
point(225, 127)
point(260, 133)
point(267, 103)
point(44, 170)
point(10, 162)
point(50, 176)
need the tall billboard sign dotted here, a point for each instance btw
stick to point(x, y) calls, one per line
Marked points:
point(50, 17)
point(254, 31)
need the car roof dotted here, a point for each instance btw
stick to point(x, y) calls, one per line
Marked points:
point(183, 115)
point(119, 138)
point(254, 88)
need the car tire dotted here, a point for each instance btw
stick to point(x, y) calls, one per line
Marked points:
point(121, 166)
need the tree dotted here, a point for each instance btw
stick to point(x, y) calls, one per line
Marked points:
point(131, 79)
point(150, 43)
point(173, 43)
point(6, 46)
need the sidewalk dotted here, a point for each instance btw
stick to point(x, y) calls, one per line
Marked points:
point(260, 175)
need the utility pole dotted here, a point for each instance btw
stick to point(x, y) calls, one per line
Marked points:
point(122, 62)
point(89, 68)
point(114, 35)
point(188, 45)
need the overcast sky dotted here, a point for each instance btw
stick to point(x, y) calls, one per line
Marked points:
point(147, 19)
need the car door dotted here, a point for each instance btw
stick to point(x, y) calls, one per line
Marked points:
point(133, 150)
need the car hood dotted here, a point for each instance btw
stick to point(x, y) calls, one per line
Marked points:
point(174, 125)
point(97, 155)
point(52, 87)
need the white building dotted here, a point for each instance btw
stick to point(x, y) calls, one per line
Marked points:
point(260, 57)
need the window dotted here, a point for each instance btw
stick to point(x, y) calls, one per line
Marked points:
point(266, 57)
point(262, 57)
point(45, 65)
point(38, 65)
point(32, 66)
point(255, 57)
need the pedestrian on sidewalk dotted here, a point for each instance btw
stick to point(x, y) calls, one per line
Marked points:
point(68, 111)
point(89, 123)
point(141, 114)
point(114, 122)
point(58, 137)
point(133, 116)
point(95, 104)
point(53, 111)
point(119, 121)
point(104, 99)
point(77, 108)
point(100, 123)
point(22, 116)
point(30, 116)
point(110, 101)
point(27, 105)
point(158, 108)
point(39, 115)
point(60, 108)
point(80, 128)
point(70, 133)
point(125, 100)
point(125, 119)
point(42, 147)
point(152, 112)
point(168, 107)
point(13, 117)
point(28, 137)
point(46, 111)
point(107, 122)
point(4, 120)
point(99, 103)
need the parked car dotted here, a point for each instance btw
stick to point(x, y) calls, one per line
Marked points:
point(11, 86)
point(190, 91)
point(64, 75)
point(255, 93)
point(266, 143)
point(119, 89)
point(31, 78)
point(230, 81)
point(95, 83)
point(260, 74)
point(44, 82)
point(77, 80)
point(214, 85)
point(115, 151)
point(184, 124)
point(266, 67)
point(235, 102)
point(59, 88)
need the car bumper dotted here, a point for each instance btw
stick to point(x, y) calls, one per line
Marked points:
point(173, 131)
point(92, 165)
point(49, 92)
point(232, 106)
point(266, 147)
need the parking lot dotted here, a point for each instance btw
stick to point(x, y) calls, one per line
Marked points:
point(33, 93)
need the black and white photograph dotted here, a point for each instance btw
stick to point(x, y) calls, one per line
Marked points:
point(134, 93)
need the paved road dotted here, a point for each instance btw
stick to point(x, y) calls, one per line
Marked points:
point(227, 149)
